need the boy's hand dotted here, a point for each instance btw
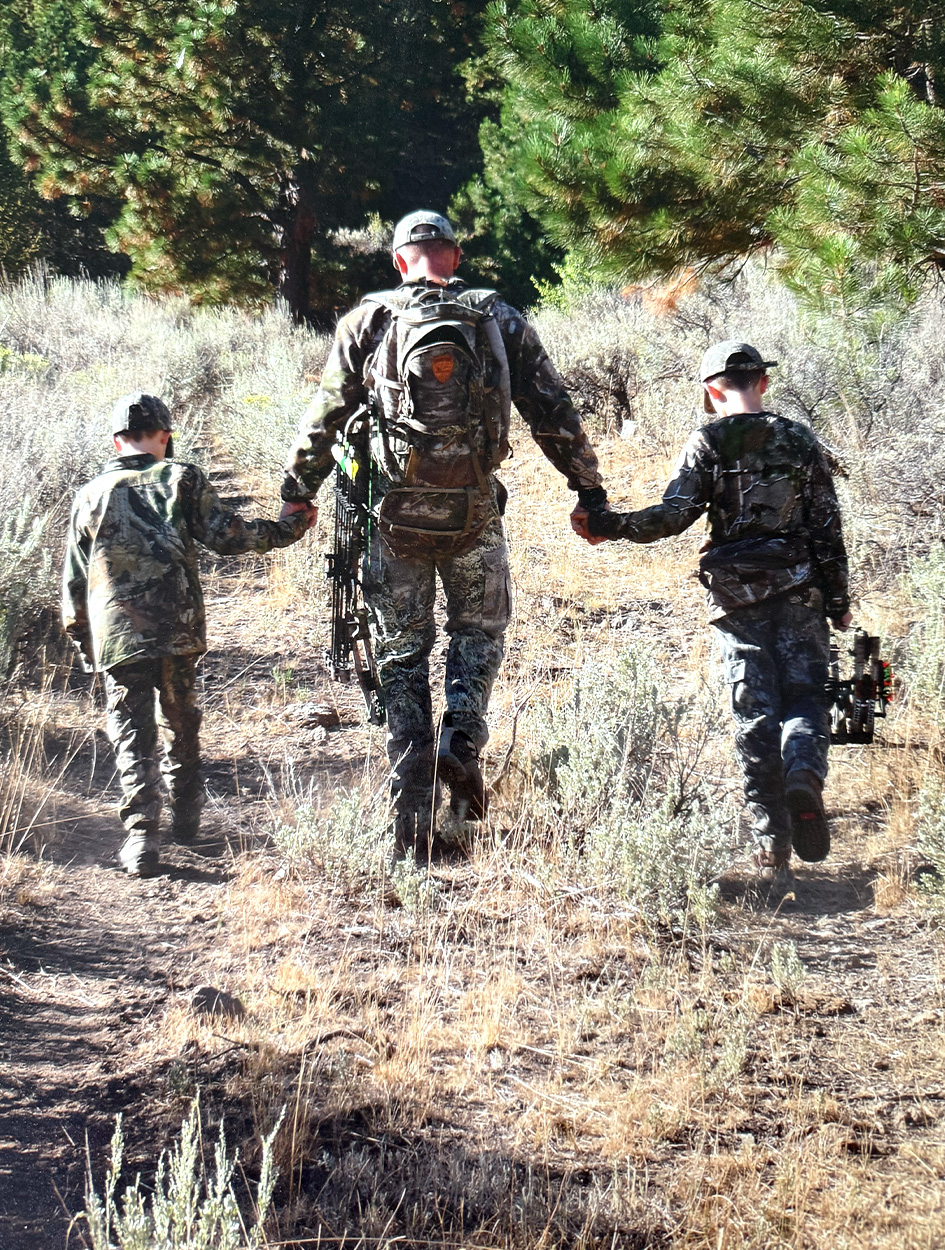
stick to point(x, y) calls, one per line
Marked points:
point(579, 523)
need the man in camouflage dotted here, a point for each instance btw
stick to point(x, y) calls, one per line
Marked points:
point(775, 568)
point(132, 603)
point(399, 583)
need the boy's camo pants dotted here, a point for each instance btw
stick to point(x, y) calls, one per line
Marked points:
point(400, 593)
point(144, 698)
point(775, 657)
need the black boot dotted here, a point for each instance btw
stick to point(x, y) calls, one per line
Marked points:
point(457, 763)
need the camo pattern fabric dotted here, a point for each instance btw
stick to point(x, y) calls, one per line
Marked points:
point(131, 588)
point(775, 658)
point(773, 516)
point(133, 725)
point(537, 392)
point(400, 591)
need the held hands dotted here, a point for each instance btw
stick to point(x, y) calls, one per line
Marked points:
point(842, 623)
point(580, 519)
point(598, 525)
point(298, 505)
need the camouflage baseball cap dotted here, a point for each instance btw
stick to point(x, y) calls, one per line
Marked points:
point(729, 356)
point(419, 226)
point(139, 413)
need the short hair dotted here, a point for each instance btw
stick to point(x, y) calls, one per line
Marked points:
point(739, 379)
point(412, 252)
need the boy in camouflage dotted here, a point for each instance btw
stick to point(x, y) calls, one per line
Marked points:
point(775, 568)
point(133, 606)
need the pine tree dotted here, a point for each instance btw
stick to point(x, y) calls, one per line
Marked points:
point(647, 137)
point(241, 134)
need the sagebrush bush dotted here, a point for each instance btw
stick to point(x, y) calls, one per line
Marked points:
point(616, 788)
point(922, 663)
point(344, 840)
point(189, 1208)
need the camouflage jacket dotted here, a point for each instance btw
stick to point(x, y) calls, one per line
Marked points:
point(537, 392)
point(773, 517)
point(130, 585)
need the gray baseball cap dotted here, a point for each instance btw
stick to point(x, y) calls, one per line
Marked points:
point(419, 226)
point(730, 356)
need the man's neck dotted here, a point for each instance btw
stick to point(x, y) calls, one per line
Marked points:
point(433, 279)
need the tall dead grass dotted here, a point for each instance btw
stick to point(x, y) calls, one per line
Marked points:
point(570, 1038)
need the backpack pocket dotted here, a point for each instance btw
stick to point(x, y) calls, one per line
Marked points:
point(416, 520)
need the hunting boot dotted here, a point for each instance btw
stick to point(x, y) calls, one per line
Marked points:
point(185, 826)
point(803, 794)
point(140, 853)
point(457, 763)
point(774, 867)
point(414, 837)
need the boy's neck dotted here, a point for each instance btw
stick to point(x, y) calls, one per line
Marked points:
point(142, 445)
point(740, 406)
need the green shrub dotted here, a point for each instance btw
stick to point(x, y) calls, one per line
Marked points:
point(188, 1209)
point(616, 787)
point(922, 664)
point(345, 841)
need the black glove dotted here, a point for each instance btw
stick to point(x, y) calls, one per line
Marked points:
point(593, 498)
point(604, 524)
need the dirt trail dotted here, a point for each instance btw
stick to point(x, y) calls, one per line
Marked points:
point(89, 958)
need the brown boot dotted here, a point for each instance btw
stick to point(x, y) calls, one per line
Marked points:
point(774, 867)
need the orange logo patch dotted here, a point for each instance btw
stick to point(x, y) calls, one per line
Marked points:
point(442, 368)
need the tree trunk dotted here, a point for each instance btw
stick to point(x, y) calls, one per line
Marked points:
point(298, 231)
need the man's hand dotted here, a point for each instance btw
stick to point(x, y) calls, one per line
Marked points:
point(579, 523)
point(842, 623)
point(299, 505)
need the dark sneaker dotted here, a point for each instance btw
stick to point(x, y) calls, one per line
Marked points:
point(810, 834)
point(457, 763)
point(140, 855)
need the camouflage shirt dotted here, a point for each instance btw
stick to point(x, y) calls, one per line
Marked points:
point(130, 585)
point(537, 392)
point(773, 517)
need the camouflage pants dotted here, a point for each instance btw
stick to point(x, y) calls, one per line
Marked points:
point(400, 592)
point(145, 698)
point(775, 658)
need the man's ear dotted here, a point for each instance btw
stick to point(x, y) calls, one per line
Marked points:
point(457, 257)
point(400, 264)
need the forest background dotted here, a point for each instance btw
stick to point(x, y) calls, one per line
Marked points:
point(231, 149)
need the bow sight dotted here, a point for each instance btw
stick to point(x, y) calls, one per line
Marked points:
point(856, 701)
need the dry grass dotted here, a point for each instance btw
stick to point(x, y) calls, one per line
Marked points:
point(519, 1051)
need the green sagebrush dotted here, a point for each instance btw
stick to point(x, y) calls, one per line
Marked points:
point(188, 1208)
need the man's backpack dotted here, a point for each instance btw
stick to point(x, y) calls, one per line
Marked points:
point(441, 397)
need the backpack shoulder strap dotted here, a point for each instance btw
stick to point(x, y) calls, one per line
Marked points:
point(480, 298)
point(394, 301)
